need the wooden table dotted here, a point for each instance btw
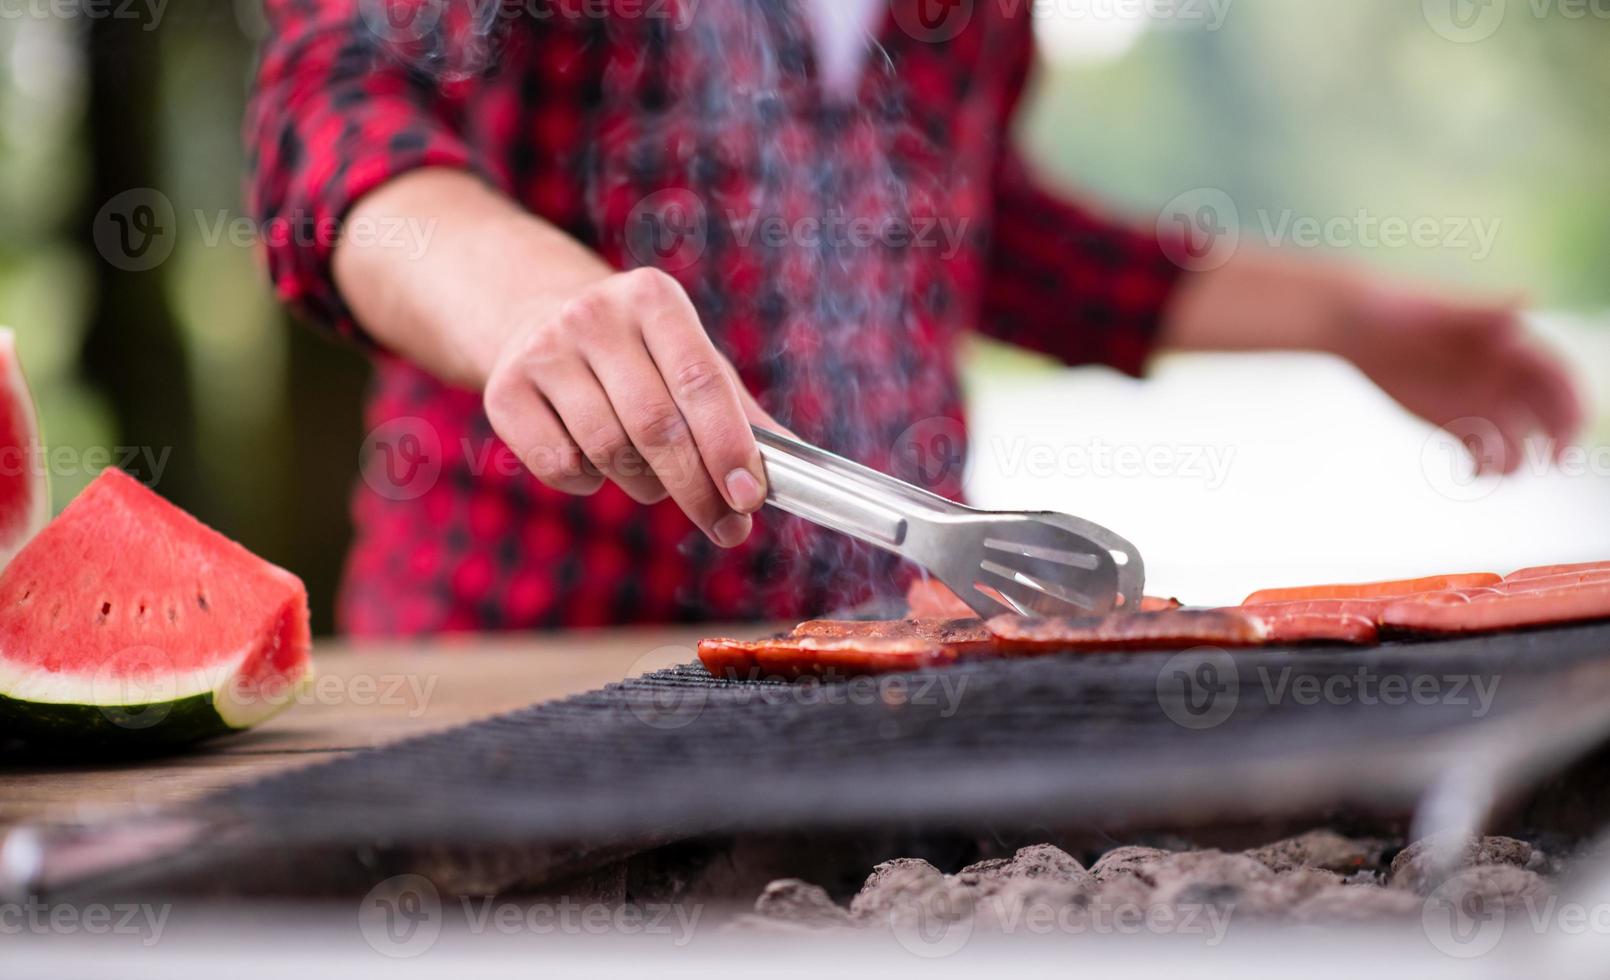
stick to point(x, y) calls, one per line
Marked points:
point(361, 698)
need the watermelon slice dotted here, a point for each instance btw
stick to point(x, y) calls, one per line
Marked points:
point(24, 491)
point(127, 620)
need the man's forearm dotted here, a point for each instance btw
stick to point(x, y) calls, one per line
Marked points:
point(487, 269)
point(1262, 301)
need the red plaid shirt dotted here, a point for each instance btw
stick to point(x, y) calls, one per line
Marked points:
point(836, 254)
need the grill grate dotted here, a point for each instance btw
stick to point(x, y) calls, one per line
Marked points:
point(1019, 742)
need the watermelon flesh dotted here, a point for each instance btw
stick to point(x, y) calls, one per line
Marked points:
point(128, 620)
point(24, 490)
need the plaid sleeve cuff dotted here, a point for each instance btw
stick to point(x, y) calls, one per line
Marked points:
point(332, 117)
point(1067, 282)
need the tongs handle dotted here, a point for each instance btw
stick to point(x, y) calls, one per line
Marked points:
point(834, 492)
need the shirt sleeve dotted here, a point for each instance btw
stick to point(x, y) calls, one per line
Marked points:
point(336, 111)
point(1064, 279)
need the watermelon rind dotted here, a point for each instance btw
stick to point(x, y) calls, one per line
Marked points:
point(89, 717)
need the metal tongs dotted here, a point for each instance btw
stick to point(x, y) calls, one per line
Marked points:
point(1032, 564)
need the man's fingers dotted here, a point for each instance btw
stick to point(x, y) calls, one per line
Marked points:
point(1550, 393)
point(584, 408)
point(704, 392)
point(656, 427)
point(528, 426)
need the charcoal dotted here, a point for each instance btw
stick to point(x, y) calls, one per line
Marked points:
point(792, 900)
point(1126, 860)
point(1323, 849)
point(1041, 861)
point(1424, 864)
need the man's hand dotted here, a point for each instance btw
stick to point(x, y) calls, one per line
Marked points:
point(586, 373)
point(1442, 359)
point(622, 383)
point(1446, 361)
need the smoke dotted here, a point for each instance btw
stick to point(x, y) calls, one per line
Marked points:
point(807, 207)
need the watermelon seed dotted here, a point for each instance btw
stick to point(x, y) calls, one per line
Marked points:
point(106, 610)
point(173, 614)
point(201, 600)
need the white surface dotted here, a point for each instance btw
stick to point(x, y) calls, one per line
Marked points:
point(1282, 469)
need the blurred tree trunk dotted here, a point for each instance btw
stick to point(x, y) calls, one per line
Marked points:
point(133, 352)
point(327, 385)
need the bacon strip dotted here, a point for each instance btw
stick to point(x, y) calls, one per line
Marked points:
point(1168, 630)
point(1501, 611)
point(827, 648)
point(1373, 590)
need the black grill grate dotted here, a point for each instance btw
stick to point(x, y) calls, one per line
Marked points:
point(1022, 742)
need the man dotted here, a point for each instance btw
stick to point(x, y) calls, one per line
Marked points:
point(650, 224)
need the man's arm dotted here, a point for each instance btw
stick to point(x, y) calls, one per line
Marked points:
point(588, 374)
point(1443, 359)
